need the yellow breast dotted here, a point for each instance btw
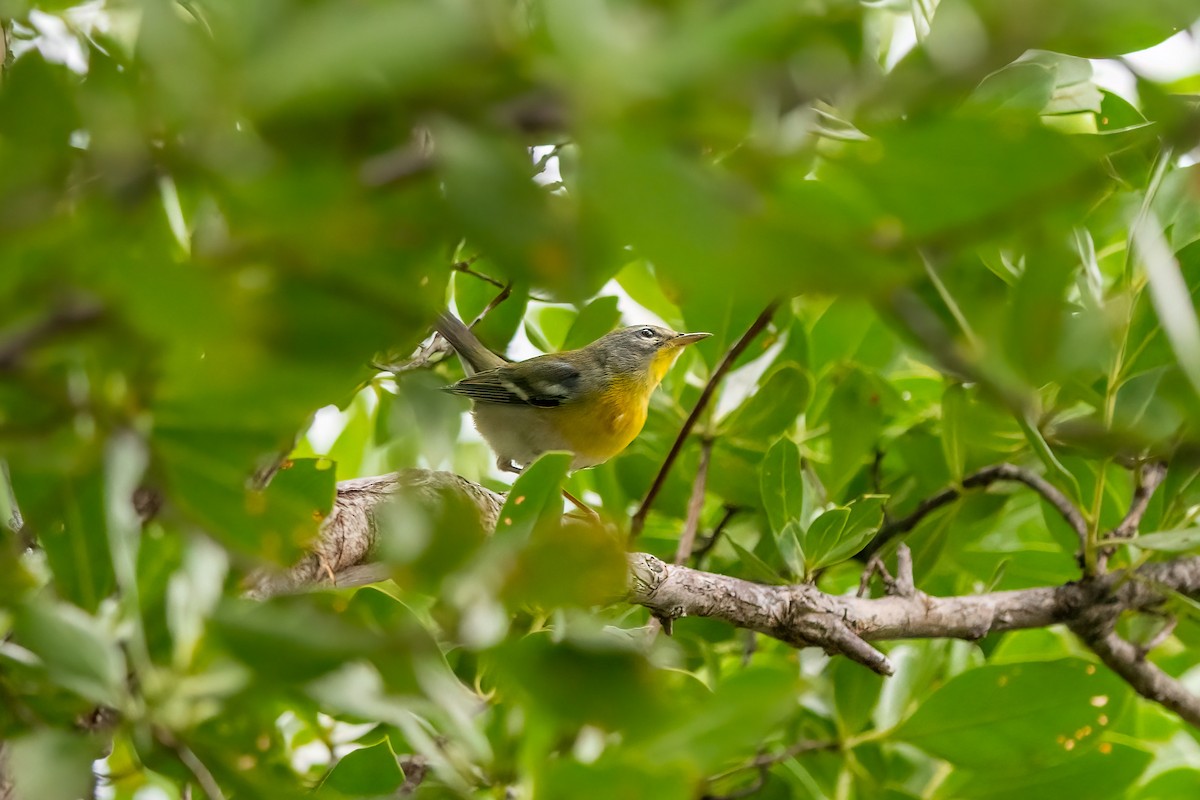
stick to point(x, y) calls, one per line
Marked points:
point(603, 427)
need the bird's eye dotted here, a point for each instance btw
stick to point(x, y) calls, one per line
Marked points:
point(646, 333)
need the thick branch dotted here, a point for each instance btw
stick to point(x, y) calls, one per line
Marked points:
point(800, 615)
point(756, 327)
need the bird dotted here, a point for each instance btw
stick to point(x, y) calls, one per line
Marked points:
point(592, 401)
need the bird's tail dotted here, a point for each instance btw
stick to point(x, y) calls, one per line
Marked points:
point(473, 353)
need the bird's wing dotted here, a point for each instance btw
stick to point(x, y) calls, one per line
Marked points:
point(543, 382)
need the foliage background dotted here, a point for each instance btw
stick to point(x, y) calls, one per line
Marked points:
point(215, 215)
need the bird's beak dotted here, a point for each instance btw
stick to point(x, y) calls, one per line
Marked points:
point(684, 339)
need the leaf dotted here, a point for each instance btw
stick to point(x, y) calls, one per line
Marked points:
point(823, 534)
point(844, 535)
point(535, 496)
point(856, 416)
point(781, 396)
point(76, 651)
point(640, 283)
point(1106, 771)
point(595, 319)
point(756, 568)
point(732, 721)
point(997, 715)
point(52, 764)
point(371, 771)
point(782, 484)
point(1023, 85)
point(788, 543)
point(855, 693)
point(1168, 541)
point(954, 403)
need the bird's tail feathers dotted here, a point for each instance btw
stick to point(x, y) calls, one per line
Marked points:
point(475, 356)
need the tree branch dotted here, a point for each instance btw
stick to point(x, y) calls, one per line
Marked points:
point(639, 518)
point(1096, 628)
point(800, 615)
point(978, 480)
point(67, 317)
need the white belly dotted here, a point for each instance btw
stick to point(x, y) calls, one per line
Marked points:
point(508, 432)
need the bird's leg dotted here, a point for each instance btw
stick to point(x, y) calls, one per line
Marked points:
point(507, 465)
point(587, 510)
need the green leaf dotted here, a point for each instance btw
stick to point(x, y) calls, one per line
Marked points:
point(640, 283)
point(823, 534)
point(535, 496)
point(77, 652)
point(790, 548)
point(595, 319)
point(1172, 784)
point(52, 764)
point(1106, 771)
point(844, 533)
point(756, 568)
point(954, 418)
point(855, 693)
point(1021, 86)
point(1168, 541)
point(782, 484)
point(856, 417)
point(732, 721)
point(781, 396)
point(370, 771)
point(998, 715)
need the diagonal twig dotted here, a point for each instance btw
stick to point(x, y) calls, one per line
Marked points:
point(687, 539)
point(1149, 476)
point(639, 518)
point(1129, 661)
point(710, 541)
point(977, 480)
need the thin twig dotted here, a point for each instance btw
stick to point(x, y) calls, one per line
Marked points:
point(687, 539)
point(437, 347)
point(1149, 477)
point(764, 761)
point(977, 480)
point(639, 518)
point(710, 541)
point(17, 344)
point(208, 784)
point(465, 267)
point(504, 294)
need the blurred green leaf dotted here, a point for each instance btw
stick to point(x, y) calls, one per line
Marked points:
point(997, 715)
point(369, 771)
point(52, 764)
point(1106, 771)
point(781, 396)
point(76, 650)
point(1169, 541)
point(595, 319)
point(535, 496)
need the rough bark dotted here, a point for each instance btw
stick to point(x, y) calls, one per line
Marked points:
point(800, 615)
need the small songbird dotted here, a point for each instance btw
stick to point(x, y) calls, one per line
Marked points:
point(591, 401)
